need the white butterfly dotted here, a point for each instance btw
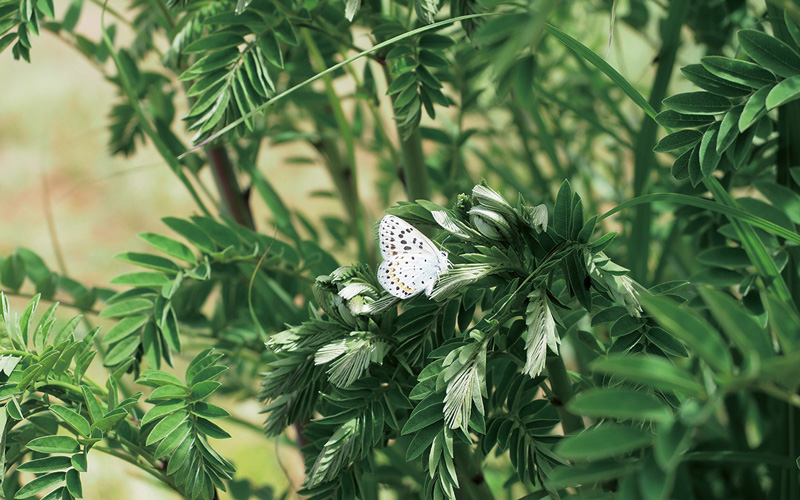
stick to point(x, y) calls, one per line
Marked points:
point(412, 263)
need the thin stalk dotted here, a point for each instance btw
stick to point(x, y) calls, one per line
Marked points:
point(345, 173)
point(414, 173)
point(333, 68)
point(29, 296)
point(133, 461)
point(561, 386)
point(644, 158)
point(233, 201)
point(763, 262)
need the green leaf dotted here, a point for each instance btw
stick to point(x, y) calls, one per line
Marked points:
point(742, 328)
point(13, 409)
point(424, 415)
point(619, 403)
point(736, 71)
point(127, 308)
point(678, 140)
point(109, 420)
point(170, 247)
point(786, 91)
point(207, 410)
point(141, 279)
point(203, 389)
point(7, 40)
point(192, 233)
point(122, 350)
point(709, 158)
point(770, 52)
point(422, 440)
point(168, 392)
point(161, 410)
point(211, 429)
point(729, 129)
point(435, 42)
point(158, 378)
point(755, 108)
point(126, 327)
point(95, 412)
point(782, 197)
point(215, 41)
point(698, 103)
point(565, 476)
point(166, 426)
point(726, 257)
point(12, 272)
point(792, 26)
point(72, 419)
point(24, 322)
point(79, 462)
point(54, 444)
point(672, 119)
point(268, 43)
point(692, 329)
point(706, 80)
point(215, 60)
point(784, 322)
point(680, 168)
point(208, 373)
point(402, 82)
point(173, 440)
point(694, 167)
point(604, 441)
point(47, 464)
point(40, 484)
point(169, 330)
point(651, 371)
point(74, 486)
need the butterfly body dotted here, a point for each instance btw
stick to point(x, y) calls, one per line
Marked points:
point(412, 263)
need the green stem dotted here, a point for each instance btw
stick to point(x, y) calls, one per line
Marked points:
point(472, 484)
point(644, 158)
point(135, 462)
point(344, 172)
point(333, 68)
point(561, 386)
point(415, 172)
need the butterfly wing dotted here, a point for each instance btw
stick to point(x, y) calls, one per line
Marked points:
point(409, 273)
point(411, 260)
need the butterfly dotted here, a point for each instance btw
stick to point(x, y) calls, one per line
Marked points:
point(412, 263)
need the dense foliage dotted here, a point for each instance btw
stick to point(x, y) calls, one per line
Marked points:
point(538, 358)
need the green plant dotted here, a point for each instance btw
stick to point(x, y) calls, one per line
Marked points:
point(539, 366)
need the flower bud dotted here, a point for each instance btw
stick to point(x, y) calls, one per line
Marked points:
point(491, 199)
point(489, 223)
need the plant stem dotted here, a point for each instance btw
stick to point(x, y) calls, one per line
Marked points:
point(415, 172)
point(234, 204)
point(472, 484)
point(344, 172)
point(562, 393)
point(644, 158)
